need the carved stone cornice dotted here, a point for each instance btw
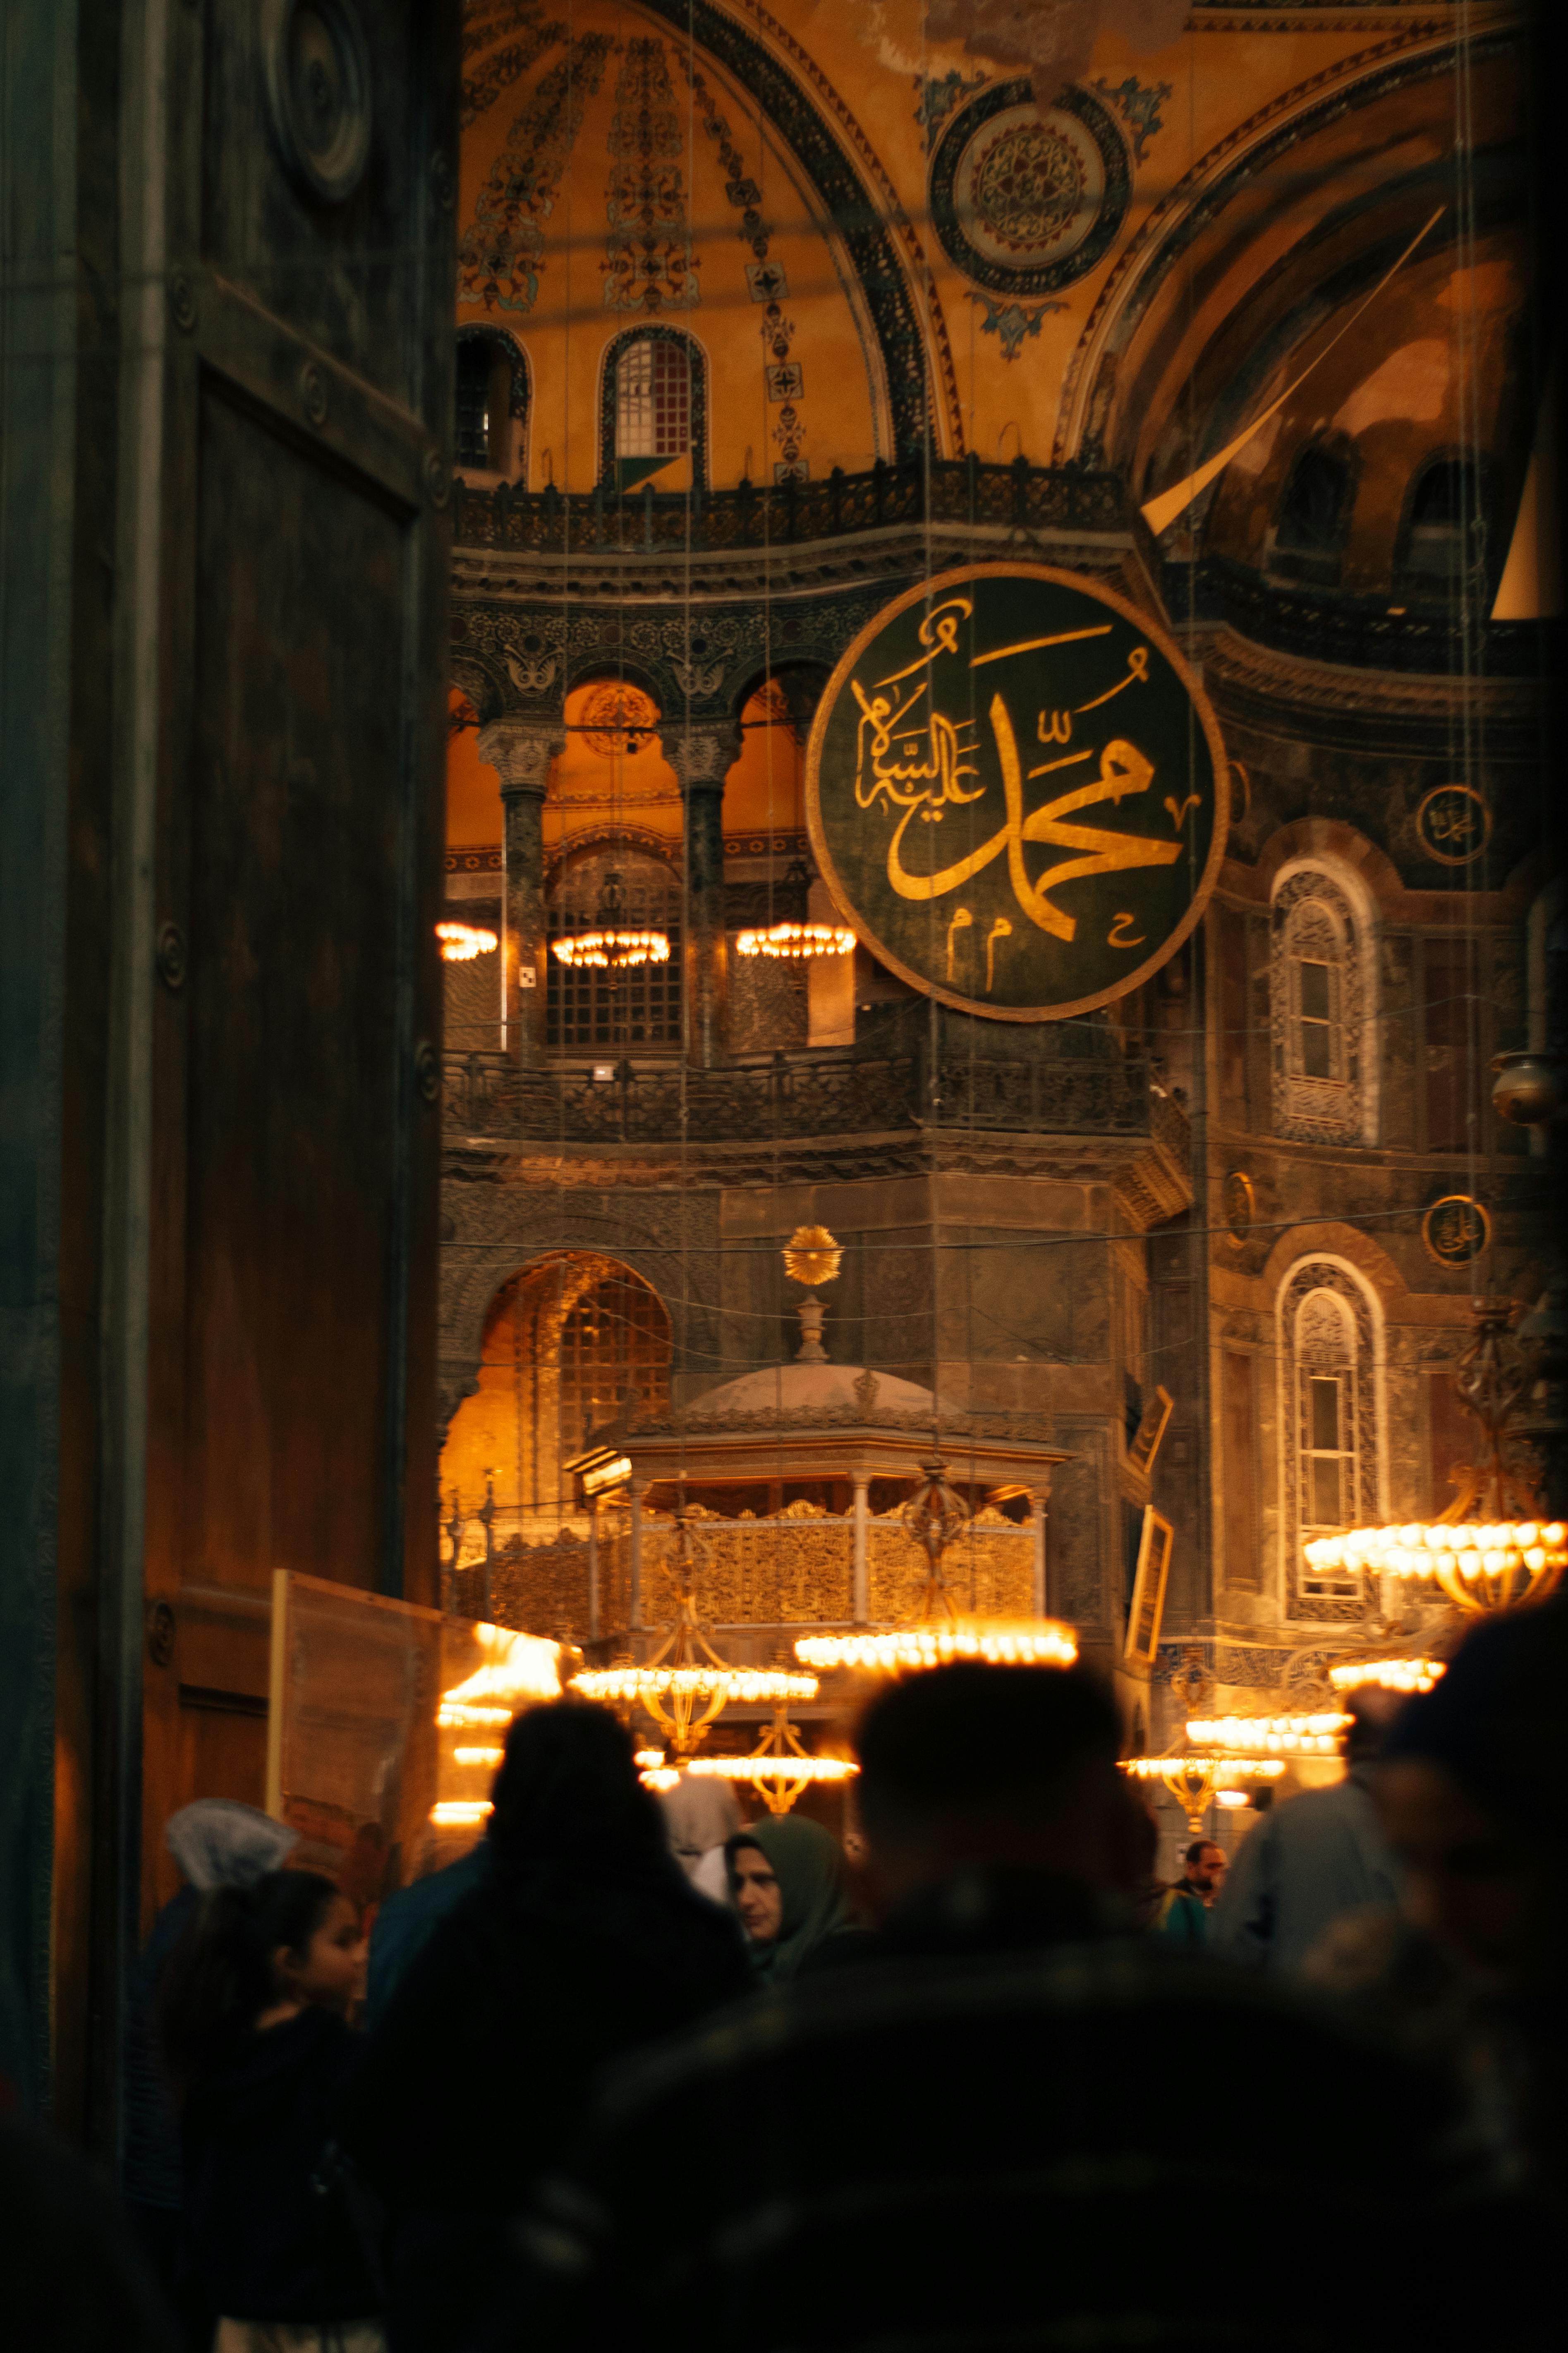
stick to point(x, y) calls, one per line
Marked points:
point(1394, 711)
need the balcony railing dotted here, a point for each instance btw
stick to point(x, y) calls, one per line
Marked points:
point(964, 490)
point(488, 1096)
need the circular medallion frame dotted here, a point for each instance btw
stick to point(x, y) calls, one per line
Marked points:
point(999, 152)
point(1238, 1204)
point(1456, 803)
point(1455, 1230)
point(319, 93)
point(1207, 766)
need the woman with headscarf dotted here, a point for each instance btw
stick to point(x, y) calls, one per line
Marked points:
point(787, 1882)
point(583, 1942)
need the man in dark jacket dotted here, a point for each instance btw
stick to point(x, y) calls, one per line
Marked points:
point(978, 2139)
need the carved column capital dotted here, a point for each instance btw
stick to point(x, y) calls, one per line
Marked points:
point(703, 753)
point(521, 751)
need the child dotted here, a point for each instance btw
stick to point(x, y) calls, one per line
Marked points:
point(253, 2017)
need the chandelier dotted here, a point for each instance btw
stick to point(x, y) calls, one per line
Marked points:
point(1195, 1782)
point(461, 943)
point(686, 1683)
point(934, 1516)
point(778, 1768)
point(798, 941)
point(908, 1649)
point(1486, 1551)
point(1270, 1735)
point(611, 944)
point(1387, 1674)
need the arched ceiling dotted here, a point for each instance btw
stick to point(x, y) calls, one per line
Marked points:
point(1268, 250)
point(772, 181)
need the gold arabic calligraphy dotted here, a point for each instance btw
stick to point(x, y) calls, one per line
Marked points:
point(912, 757)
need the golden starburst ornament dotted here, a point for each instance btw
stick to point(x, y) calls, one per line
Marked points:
point(812, 1256)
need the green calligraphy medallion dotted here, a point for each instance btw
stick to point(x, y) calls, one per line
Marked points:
point(1016, 792)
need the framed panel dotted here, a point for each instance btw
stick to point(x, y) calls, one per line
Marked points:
point(1148, 1606)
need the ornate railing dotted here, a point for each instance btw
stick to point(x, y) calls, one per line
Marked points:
point(964, 490)
point(1353, 630)
point(487, 1095)
point(782, 1571)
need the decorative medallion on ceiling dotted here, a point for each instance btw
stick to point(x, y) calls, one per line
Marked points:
point(1016, 792)
point(618, 718)
point(1025, 202)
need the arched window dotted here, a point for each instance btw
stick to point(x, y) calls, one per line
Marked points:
point(654, 411)
point(491, 423)
point(602, 1013)
point(575, 1344)
point(1330, 1424)
point(1317, 990)
point(1444, 527)
point(1313, 519)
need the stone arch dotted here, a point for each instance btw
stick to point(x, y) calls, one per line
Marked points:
point(518, 385)
point(1333, 1422)
point(653, 330)
point(1324, 1042)
point(572, 1340)
point(1109, 401)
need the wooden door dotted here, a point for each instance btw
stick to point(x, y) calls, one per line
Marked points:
point(294, 644)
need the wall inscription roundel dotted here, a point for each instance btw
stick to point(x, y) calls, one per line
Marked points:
point(1022, 201)
point(1016, 792)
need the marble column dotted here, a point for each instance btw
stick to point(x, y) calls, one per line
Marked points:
point(521, 751)
point(702, 755)
point(1038, 1498)
point(861, 1603)
point(634, 1611)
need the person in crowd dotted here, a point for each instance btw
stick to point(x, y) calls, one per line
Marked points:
point(72, 2279)
point(1468, 1797)
point(972, 2140)
point(216, 1842)
point(787, 1882)
point(1315, 1857)
point(1183, 1913)
point(584, 1940)
point(699, 1814)
point(406, 1920)
point(253, 2016)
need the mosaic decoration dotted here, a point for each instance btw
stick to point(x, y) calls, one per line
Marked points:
point(936, 95)
point(1139, 106)
point(866, 241)
point(617, 719)
point(1010, 322)
point(766, 285)
point(1455, 1230)
point(650, 266)
point(1454, 825)
point(500, 256)
point(929, 814)
point(481, 89)
point(1024, 201)
point(482, 24)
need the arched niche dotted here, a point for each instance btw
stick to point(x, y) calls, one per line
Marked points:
point(575, 1344)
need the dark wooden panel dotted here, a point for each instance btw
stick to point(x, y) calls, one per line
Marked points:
point(294, 1104)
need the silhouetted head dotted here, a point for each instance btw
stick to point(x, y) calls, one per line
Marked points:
point(1468, 1791)
point(568, 1787)
point(1012, 1764)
